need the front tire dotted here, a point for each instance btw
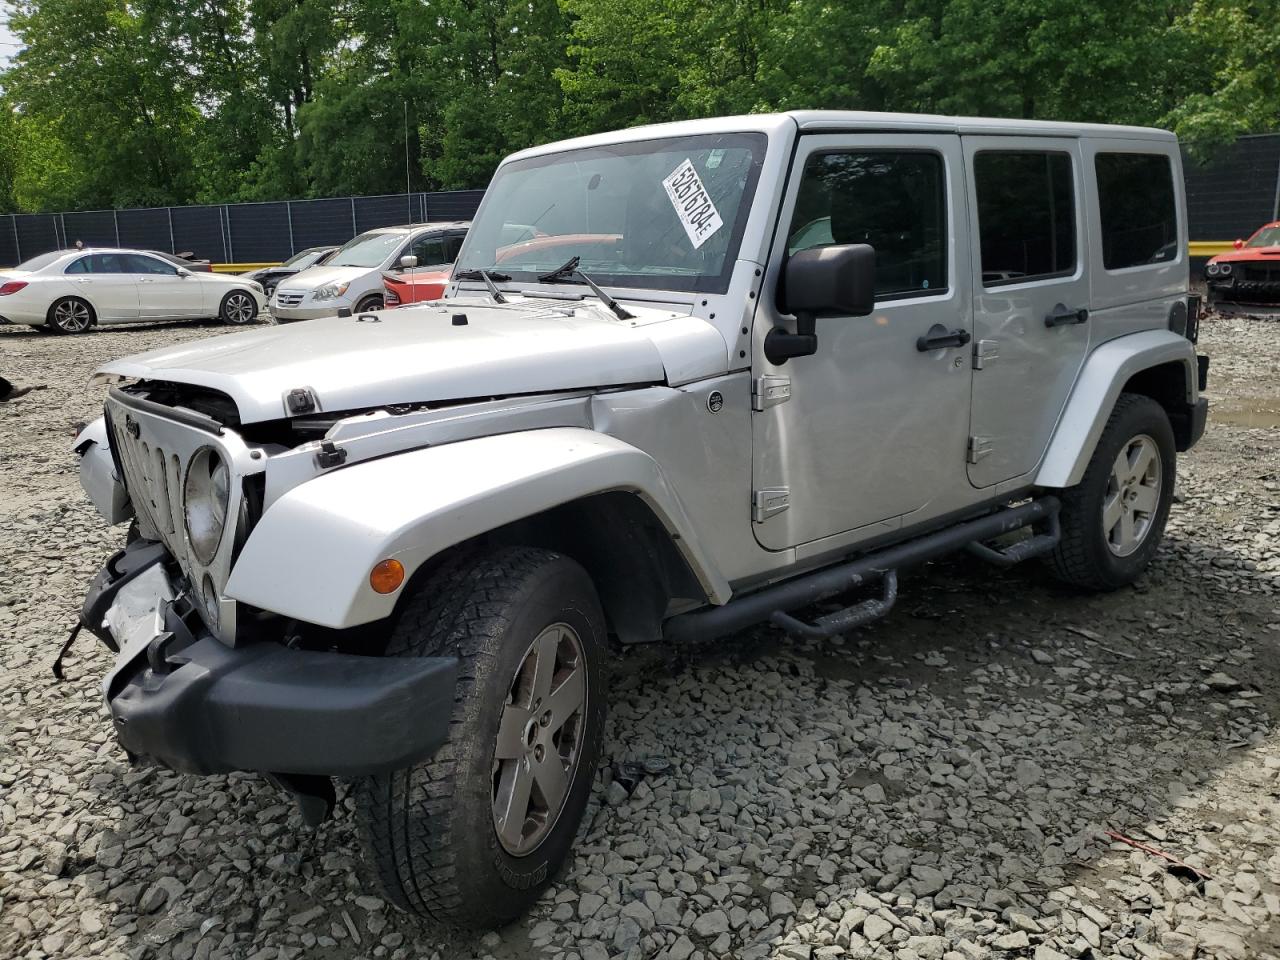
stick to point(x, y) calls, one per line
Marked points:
point(70, 315)
point(238, 308)
point(472, 836)
point(1113, 520)
point(369, 304)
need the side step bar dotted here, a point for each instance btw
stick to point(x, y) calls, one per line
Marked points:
point(774, 602)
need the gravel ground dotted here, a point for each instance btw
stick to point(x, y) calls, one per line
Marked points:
point(934, 786)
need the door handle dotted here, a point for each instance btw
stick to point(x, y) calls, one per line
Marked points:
point(1060, 316)
point(145, 280)
point(939, 337)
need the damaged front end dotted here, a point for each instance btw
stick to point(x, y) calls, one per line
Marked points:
point(1244, 284)
point(201, 683)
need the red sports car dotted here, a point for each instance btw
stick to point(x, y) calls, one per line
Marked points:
point(1249, 274)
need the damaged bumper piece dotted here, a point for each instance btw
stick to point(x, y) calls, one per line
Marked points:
point(180, 697)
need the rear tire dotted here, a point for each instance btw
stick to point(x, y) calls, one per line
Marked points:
point(70, 315)
point(1113, 520)
point(238, 308)
point(527, 728)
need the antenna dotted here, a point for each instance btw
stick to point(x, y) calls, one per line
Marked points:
point(408, 194)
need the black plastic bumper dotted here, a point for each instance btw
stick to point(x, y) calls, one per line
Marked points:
point(269, 708)
point(192, 703)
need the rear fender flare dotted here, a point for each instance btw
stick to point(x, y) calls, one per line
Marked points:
point(1105, 372)
point(310, 555)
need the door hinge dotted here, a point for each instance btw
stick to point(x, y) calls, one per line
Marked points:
point(984, 351)
point(769, 502)
point(979, 447)
point(767, 391)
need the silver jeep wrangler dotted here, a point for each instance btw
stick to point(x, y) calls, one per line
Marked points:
point(686, 378)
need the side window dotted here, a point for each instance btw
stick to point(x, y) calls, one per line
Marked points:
point(140, 264)
point(893, 200)
point(78, 266)
point(452, 244)
point(429, 250)
point(109, 263)
point(1026, 215)
point(1138, 211)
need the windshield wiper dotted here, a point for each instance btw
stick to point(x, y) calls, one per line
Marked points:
point(569, 269)
point(488, 278)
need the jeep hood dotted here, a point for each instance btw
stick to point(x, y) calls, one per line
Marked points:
point(419, 354)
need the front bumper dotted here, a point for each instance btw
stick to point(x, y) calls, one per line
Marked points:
point(182, 698)
point(291, 314)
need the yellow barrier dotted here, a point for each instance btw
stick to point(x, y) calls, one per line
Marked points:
point(239, 267)
point(1209, 248)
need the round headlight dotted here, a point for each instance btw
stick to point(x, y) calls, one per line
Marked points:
point(205, 496)
point(1212, 269)
point(1224, 269)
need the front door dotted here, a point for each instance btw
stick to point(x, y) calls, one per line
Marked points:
point(873, 426)
point(1031, 319)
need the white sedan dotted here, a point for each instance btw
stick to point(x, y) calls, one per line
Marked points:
point(69, 291)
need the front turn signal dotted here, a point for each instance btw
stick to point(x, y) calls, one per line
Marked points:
point(387, 576)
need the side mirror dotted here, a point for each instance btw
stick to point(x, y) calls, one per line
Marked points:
point(408, 260)
point(1238, 244)
point(183, 272)
point(835, 281)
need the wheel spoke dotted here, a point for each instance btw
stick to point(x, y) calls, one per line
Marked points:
point(1120, 470)
point(1142, 460)
point(544, 667)
point(511, 801)
point(566, 698)
point(1126, 528)
point(552, 780)
point(1145, 499)
point(511, 729)
point(1111, 511)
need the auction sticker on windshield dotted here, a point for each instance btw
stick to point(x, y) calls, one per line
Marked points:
point(693, 206)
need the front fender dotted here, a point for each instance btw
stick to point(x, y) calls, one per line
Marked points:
point(1105, 372)
point(310, 555)
point(98, 473)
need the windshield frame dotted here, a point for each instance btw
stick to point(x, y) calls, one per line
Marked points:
point(756, 141)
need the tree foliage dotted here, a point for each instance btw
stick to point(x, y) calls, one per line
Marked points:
point(116, 103)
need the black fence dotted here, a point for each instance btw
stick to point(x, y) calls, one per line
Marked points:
point(1237, 192)
point(233, 232)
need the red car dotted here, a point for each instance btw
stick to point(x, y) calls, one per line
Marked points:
point(1249, 274)
point(424, 276)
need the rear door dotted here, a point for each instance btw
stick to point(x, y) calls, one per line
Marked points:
point(163, 293)
point(107, 281)
point(1031, 297)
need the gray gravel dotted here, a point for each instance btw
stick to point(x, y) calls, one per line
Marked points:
point(934, 786)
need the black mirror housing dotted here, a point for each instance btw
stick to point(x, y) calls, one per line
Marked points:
point(823, 281)
point(831, 281)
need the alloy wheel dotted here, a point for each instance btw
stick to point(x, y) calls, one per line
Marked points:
point(71, 316)
point(239, 308)
point(539, 739)
point(1133, 496)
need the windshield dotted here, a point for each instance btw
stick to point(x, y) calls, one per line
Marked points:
point(366, 250)
point(661, 214)
point(305, 259)
point(1266, 237)
point(36, 263)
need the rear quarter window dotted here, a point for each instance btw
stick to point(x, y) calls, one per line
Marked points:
point(1137, 209)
